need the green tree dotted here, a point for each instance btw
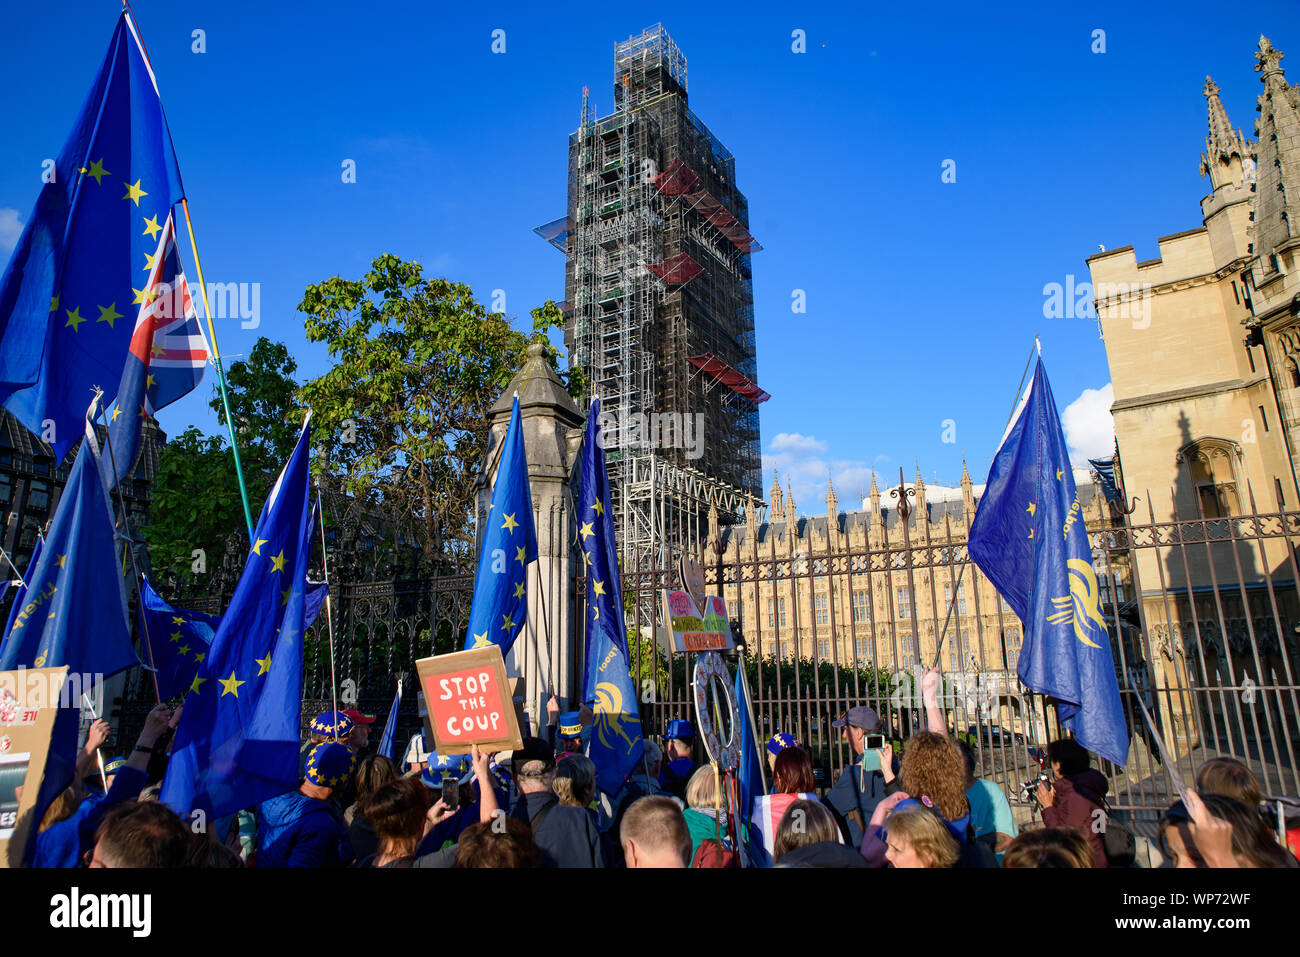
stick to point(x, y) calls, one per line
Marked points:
point(267, 414)
point(401, 415)
point(195, 506)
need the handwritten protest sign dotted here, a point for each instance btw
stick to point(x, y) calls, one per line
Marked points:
point(469, 701)
point(29, 702)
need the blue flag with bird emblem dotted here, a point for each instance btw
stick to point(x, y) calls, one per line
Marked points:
point(1029, 538)
point(238, 742)
point(75, 610)
point(500, 604)
point(178, 640)
point(79, 275)
point(616, 746)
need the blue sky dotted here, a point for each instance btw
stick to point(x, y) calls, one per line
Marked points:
point(923, 297)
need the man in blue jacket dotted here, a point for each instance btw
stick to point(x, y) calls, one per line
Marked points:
point(861, 786)
point(304, 828)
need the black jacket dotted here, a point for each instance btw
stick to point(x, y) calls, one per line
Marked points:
point(823, 854)
point(567, 836)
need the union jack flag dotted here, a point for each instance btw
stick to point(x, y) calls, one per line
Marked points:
point(166, 358)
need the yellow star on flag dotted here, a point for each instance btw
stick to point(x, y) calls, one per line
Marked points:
point(151, 227)
point(277, 562)
point(600, 509)
point(284, 596)
point(109, 314)
point(54, 304)
point(176, 636)
point(1032, 508)
point(183, 649)
point(597, 586)
point(116, 413)
point(231, 685)
point(519, 554)
point(62, 560)
point(263, 664)
point(177, 620)
point(75, 319)
point(257, 545)
point(134, 192)
point(97, 172)
point(1059, 473)
point(156, 349)
point(200, 656)
point(519, 590)
point(198, 681)
point(507, 624)
point(510, 524)
point(586, 531)
point(149, 261)
point(481, 641)
point(150, 381)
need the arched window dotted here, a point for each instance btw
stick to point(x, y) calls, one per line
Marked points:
point(1293, 373)
point(1212, 468)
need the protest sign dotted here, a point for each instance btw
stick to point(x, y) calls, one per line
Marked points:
point(29, 702)
point(470, 701)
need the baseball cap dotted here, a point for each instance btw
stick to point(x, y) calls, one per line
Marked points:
point(859, 717)
point(359, 718)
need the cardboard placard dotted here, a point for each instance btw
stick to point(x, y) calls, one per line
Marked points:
point(470, 701)
point(693, 630)
point(29, 703)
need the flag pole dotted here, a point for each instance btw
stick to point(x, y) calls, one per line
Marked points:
point(329, 604)
point(221, 374)
point(10, 563)
point(130, 542)
point(1037, 349)
point(212, 333)
point(103, 777)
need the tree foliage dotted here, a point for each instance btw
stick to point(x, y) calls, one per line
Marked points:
point(400, 417)
point(195, 506)
point(268, 417)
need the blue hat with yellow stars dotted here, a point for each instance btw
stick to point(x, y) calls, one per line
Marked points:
point(329, 765)
point(335, 724)
point(679, 729)
point(444, 767)
point(570, 725)
point(780, 741)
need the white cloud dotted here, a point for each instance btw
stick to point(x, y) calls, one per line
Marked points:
point(803, 467)
point(10, 228)
point(1089, 429)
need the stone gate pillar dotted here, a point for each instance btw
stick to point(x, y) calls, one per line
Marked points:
point(545, 653)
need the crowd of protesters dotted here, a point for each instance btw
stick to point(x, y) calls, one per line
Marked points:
point(540, 807)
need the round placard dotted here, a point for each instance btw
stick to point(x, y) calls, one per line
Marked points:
point(722, 744)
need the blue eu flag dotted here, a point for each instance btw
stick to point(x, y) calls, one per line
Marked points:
point(74, 611)
point(179, 640)
point(238, 739)
point(1029, 538)
point(616, 746)
point(751, 766)
point(388, 740)
point(80, 274)
point(500, 604)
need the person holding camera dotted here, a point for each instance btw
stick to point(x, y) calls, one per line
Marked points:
point(1076, 798)
point(861, 786)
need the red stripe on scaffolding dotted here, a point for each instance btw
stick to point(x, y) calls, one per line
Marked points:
point(680, 180)
point(677, 269)
point(721, 372)
point(677, 179)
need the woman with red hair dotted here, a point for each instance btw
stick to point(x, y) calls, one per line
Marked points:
point(792, 781)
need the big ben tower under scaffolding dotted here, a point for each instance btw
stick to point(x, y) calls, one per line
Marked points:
point(660, 306)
